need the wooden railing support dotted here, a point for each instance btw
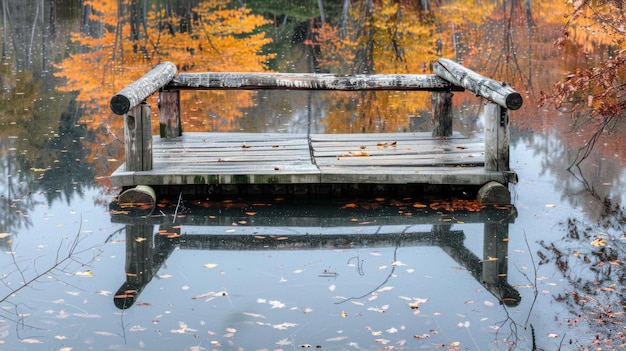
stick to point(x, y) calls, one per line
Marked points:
point(138, 138)
point(442, 113)
point(496, 137)
point(169, 114)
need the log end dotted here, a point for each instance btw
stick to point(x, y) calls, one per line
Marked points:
point(120, 104)
point(514, 101)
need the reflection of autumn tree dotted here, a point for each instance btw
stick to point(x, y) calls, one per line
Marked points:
point(214, 37)
point(591, 260)
point(388, 36)
point(597, 91)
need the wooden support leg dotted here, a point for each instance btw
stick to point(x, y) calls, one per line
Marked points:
point(442, 114)
point(496, 137)
point(138, 138)
point(169, 114)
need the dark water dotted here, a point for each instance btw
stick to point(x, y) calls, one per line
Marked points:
point(239, 274)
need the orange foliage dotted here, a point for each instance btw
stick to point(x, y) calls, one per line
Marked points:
point(221, 39)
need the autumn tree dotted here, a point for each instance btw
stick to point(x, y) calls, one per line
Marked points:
point(594, 95)
point(384, 36)
point(214, 37)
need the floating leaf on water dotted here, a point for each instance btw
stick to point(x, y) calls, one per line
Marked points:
point(337, 338)
point(31, 341)
point(553, 335)
point(284, 326)
point(210, 265)
point(332, 287)
point(419, 205)
point(141, 239)
point(384, 288)
point(344, 314)
point(598, 242)
point(550, 205)
point(87, 273)
point(137, 328)
point(60, 337)
point(104, 333)
point(392, 330)
point(4, 235)
point(276, 304)
point(350, 205)
point(489, 303)
point(255, 315)
point(283, 342)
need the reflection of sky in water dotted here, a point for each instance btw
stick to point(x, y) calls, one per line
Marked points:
point(81, 308)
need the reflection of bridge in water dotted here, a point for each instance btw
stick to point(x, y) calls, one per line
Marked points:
point(281, 227)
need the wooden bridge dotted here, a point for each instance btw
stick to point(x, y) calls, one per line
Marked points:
point(314, 163)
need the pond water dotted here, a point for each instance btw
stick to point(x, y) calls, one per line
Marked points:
point(78, 273)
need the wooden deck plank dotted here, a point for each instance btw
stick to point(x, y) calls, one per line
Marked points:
point(276, 158)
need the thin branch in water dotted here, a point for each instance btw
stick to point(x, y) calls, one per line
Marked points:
point(177, 206)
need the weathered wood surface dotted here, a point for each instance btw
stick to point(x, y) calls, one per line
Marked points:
point(442, 114)
point(140, 89)
point(496, 137)
point(498, 92)
point(138, 138)
point(309, 81)
point(268, 158)
point(170, 125)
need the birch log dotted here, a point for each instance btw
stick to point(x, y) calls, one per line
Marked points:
point(498, 92)
point(309, 81)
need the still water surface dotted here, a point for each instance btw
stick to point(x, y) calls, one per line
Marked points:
point(392, 276)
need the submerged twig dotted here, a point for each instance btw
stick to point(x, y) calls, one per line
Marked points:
point(177, 206)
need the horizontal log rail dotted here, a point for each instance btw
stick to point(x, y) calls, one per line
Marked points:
point(309, 81)
point(449, 76)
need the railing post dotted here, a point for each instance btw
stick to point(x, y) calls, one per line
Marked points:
point(138, 138)
point(442, 113)
point(496, 137)
point(169, 114)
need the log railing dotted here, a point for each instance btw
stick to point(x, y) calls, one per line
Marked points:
point(449, 76)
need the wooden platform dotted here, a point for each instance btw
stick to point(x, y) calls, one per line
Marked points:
point(272, 158)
